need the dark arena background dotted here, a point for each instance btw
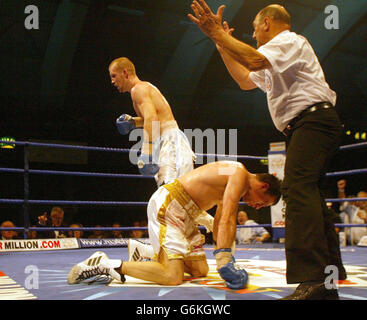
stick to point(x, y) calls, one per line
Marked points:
point(55, 88)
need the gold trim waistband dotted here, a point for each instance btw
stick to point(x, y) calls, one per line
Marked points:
point(177, 191)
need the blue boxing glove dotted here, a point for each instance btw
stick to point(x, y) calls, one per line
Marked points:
point(146, 165)
point(125, 123)
point(235, 279)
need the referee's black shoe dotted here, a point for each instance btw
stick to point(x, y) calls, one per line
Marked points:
point(313, 291)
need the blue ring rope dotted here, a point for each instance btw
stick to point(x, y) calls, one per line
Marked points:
point(353, 146)
point(345, 199)
point(66, 202)
point(122, 150)
point(77, 173)
point(63, 146)
point(346, 172)
point(339, 225)
point(67, 146)
point(128, 203)
point(76, 202)
point(138, 176)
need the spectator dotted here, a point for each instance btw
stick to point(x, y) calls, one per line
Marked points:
point(76, 233)
point(97, 234)
point(144, 223)
point(117, 234)
point(137, 233)
point(359, 217)
point(336, 218)
point(249, 235)
point(353, 213)
point(362, 204)
point(341, 184)
point(8, 234)
point(32, 234)
point(56, 220)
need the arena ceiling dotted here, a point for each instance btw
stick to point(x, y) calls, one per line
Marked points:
point(55, 83)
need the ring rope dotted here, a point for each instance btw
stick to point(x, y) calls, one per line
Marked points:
point(97, 174)
point(128, 203)
point(123, 150)
point(67, 146)
point(66, 202)
point(339, 225)
point(64, 146)
point(77, 173)
point(138, 176)
point(353, 146)
point(231, 156)
point(75, 202)
point(346, 199)
point(346, 172)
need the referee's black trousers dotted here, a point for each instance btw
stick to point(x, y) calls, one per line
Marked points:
point(311, 242)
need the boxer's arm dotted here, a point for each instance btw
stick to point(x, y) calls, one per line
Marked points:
point(206, 220)
point(151, 129)
point(216, 220)
point(215, 228)
point(226, 231)
point(139, 122)
point(143, 102)
point(126, 123)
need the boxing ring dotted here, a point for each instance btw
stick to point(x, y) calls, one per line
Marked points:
point(33, 269)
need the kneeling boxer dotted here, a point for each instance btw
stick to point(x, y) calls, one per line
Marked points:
point(173, 211)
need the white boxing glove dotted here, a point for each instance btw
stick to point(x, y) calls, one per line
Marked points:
point(206, 220)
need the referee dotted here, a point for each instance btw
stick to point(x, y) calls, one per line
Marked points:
point(302, 106)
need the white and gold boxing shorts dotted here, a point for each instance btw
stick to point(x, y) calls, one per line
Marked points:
point(171, 225)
